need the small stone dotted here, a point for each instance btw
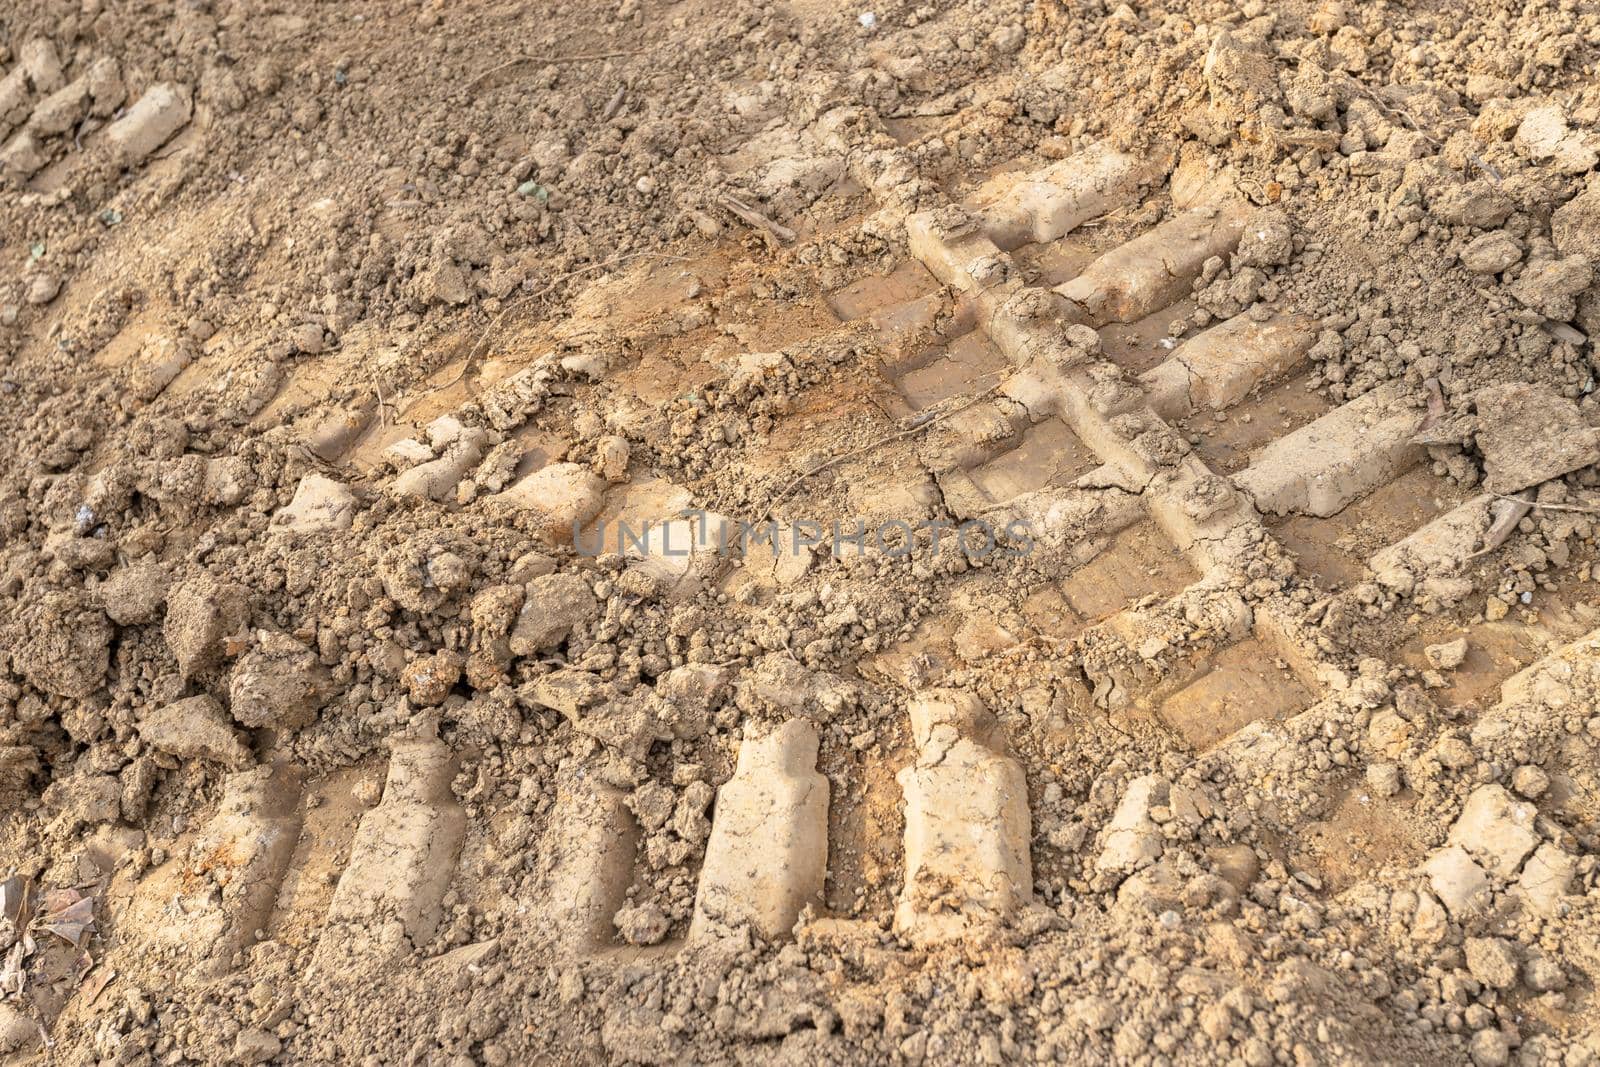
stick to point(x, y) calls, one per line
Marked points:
point(1475, 203)
point(1496, 829)
point(134, 594)
point(1460, 883)
point(200, 614)
point(321, 505)
point(106, 87)
point(21, 158)
point(227, 479)
point(1383, 779)
point(1095, 1013)
point(642, 924)
point(429, 679)
point(196, 728)
point(406, 453)
point(1529, 781)
point(555, 605)
point(1447, 656)
point(1429, 924)
point(1454, 753)
point(558, 499)
point(1546, 878)
point(1491, 253)
point(1575, 226)
point(42, 288)
point(87, 799)
point(61, 110)
point(1237, 865)
point(1490, 1048)
point(255, 1046)
point(1268, 240)
point(63, 645)
point(17, 1031)
point(1492, 961)
point(278, 683)
point(39, 59)
point(611, 458)
point(162, 111)
point(307, 339)
point(1543, 975)
point(441, 283)
point(1348, 50)
point(1388, 733)
point(1132, 839)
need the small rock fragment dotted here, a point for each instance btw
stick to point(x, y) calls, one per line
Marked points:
point(1575, 225)
point(161, 112)
point(255, 1046)
point(307, 339)
point(554, 606)
point(21, 158)
point(106, 89)
point(1459, 882)
point(321, 505)
point(1546, 878)
point(42, 288)
point(1268, 240)
point(278, 683)
point(1543, 974)
point(1132, 838)
point(61, 110)
point(1529, 781)
point(38, 57)
point(1490, 1048)
point(1447, 656)
point(1492, 961)
point(1529, 434)
point(429, 679)
point(1492, 253)
point(1383, 779)
point(134, 595)
point(14, 99)
point(611, 458)
point(196, 728)
point(200, 614)
point(1496, 829)
point(17, 1031)
point(642, 924)
point(65, 647)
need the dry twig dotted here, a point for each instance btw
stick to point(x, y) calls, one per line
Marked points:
point(752, 217)
point(480, 345)
point(1534, 505)
point(1510, 513)
point(897, 435)
point(553, 61)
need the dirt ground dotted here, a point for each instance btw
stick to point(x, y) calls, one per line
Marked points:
point(682, 532)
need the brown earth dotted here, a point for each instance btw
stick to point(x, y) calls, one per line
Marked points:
point(1215, 677)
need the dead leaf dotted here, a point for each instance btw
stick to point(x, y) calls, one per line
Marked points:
point(94, 983)
point(13, 891)
point(69, 915)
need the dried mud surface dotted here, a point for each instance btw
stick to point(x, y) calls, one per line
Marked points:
point(323, 327)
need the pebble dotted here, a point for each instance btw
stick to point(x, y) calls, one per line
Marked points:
point(1383, 779)
point(1492, 961)
point(42, 288)
point(1447, 656)
point(1529, 781)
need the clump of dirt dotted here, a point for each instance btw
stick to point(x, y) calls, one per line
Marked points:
point(940, 533)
